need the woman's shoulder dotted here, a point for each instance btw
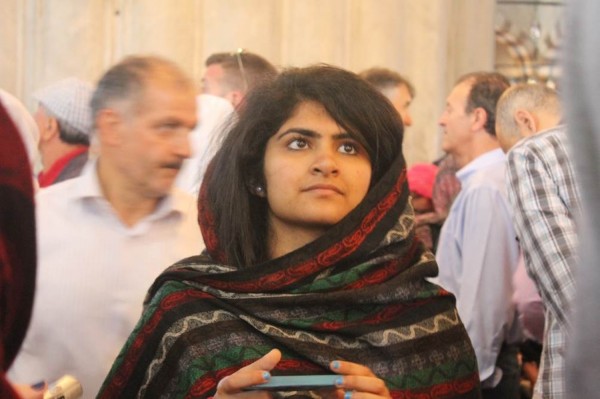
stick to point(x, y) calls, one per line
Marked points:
point(186, 272)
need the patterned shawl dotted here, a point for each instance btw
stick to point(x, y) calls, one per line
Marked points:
point(357, 293)
point(17, 245)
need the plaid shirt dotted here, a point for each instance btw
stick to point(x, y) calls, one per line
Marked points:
point(546, 203)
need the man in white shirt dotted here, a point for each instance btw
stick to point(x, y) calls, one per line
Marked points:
point(64, 119)
point(215, 114)
point(478, 252)
point(105, 236)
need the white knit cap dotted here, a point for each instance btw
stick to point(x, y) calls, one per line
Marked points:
point(69, 101)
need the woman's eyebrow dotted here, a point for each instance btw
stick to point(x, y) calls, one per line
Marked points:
point(342, 136)
point(298, 130)
point(313, 134)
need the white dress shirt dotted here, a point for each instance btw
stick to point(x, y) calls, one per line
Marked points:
point(93, 274)
point(477, 257)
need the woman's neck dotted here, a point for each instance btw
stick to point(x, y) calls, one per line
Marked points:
point(283, 239)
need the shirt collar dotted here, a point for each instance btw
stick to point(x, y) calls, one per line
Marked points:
point(482, 161)
point(48, 177)
point(88, 189)
point(559, 128)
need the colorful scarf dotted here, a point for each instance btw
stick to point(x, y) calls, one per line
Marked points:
point(357, 293)
point(17, 246)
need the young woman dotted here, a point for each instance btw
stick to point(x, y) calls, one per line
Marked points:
point(310, 250)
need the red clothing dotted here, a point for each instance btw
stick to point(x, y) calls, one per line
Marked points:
point(17, 246)
point(52, 174)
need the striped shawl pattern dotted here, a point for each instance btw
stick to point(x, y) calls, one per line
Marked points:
point(358, 293)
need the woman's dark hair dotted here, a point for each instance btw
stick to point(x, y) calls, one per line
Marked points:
point(240, 216)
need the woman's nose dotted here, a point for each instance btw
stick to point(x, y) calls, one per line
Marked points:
point(325, 163)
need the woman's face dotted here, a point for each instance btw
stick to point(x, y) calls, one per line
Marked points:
point(315, 174)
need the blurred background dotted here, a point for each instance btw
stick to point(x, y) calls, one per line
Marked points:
point(431, 42)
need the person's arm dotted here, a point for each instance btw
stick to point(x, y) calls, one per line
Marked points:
point(546, 230)
point(529, 303)
point(489, 256)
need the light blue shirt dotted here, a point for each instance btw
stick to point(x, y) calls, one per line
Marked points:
point(477, 256)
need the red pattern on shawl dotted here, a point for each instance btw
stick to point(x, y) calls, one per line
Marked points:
point(292, 274)
point(170, 302)
point(374, 218)
point(459, 386)
point(17, 245)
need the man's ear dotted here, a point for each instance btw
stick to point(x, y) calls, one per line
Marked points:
point(526, 122)
point(480, 118)
point(235, 97)
point(109, 124)
point(50, 130)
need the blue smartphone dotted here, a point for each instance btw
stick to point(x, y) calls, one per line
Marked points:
point(296, 383)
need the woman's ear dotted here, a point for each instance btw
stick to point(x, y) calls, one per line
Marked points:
point(257, 188)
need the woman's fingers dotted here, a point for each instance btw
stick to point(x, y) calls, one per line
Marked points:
point(357, 381)
point(267, 362)
point(342, 367)
point(253, 374)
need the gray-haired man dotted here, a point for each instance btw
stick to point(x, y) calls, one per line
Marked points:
point(104, 236)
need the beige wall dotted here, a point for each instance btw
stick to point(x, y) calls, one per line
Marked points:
point(431, 42)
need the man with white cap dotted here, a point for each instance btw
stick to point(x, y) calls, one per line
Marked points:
point(64, 120)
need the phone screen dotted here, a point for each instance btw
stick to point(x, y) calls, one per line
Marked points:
point(297, 383)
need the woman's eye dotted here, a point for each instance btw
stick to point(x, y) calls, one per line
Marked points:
point(298, 144)
point(348, 148)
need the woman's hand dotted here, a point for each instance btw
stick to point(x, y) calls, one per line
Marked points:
point(358, 382)
point(254, 373)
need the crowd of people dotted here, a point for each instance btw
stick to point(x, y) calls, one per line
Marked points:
point(188, 244)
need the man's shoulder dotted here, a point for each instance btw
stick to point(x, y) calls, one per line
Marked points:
point(58, 193)
point(488, 177)
point(547, 149)
point(183, 201)
point(188, 235)
point(555, 138)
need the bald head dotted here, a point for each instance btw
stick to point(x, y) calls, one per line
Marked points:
point(524, 110)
